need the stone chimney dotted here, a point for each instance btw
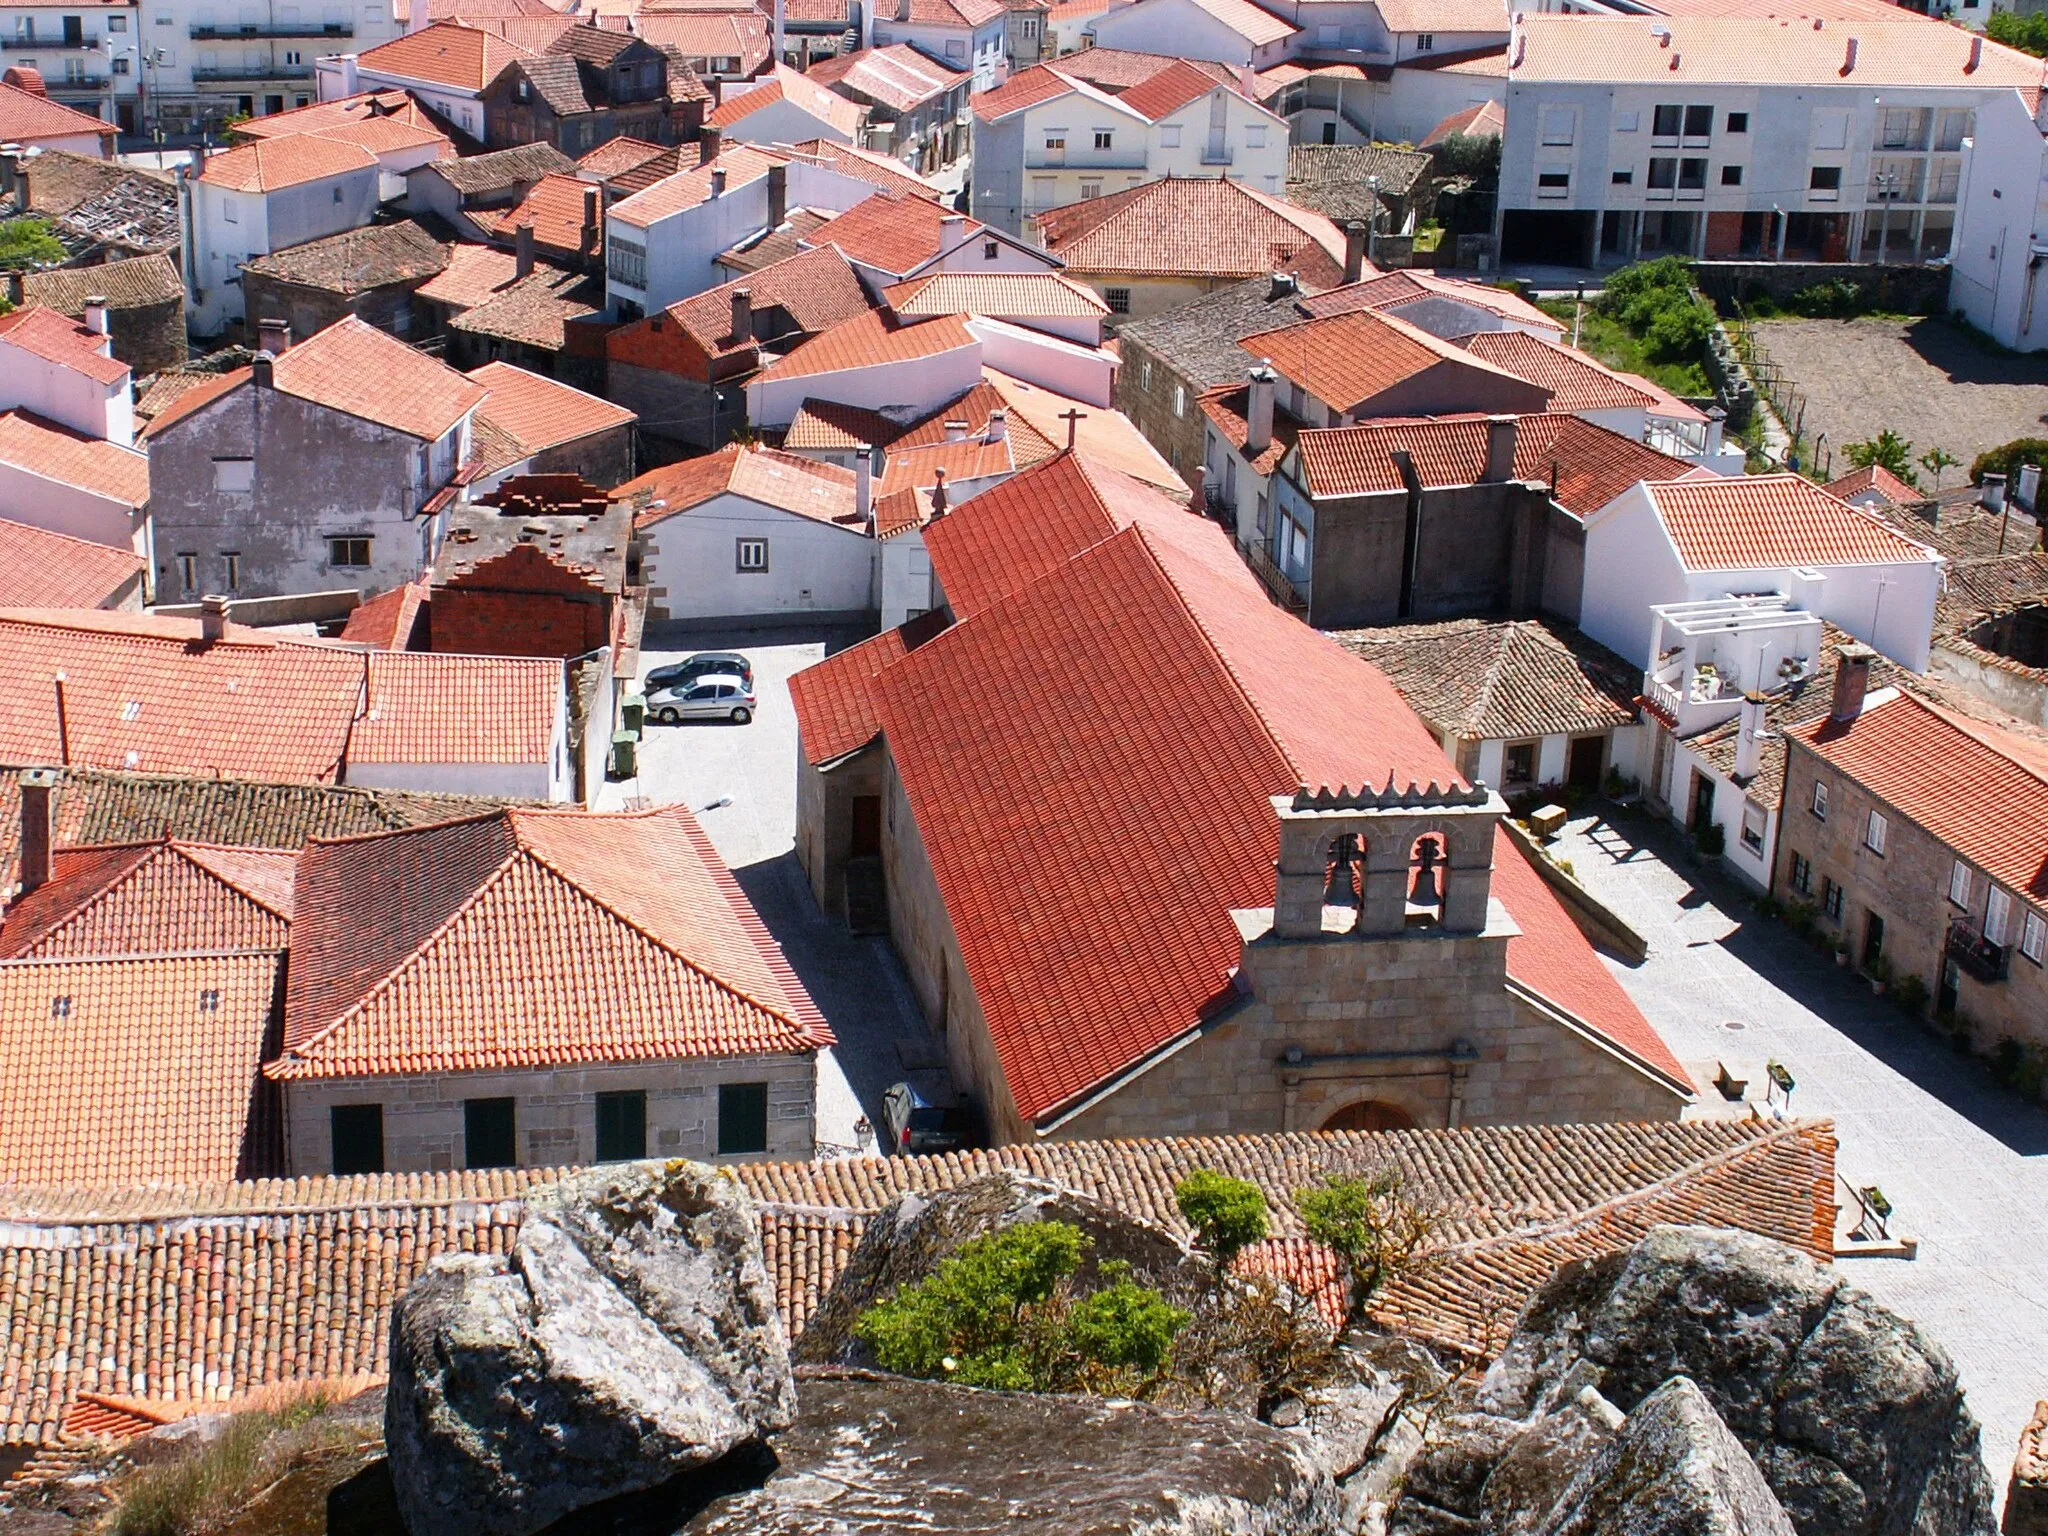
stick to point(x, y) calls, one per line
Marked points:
point(96, 315)
point(38, 825)
point(903, 10)
point(260, 371)
point(863, 479)
point(1749, 747)
point(15, 293)
point(522, 250)
point(1283, 286)
point(708, 142)
point(956, 431)
point(1991, 494)
point(213, 617)
point(274, 336)
point(1354, 251)
point(718, 182)
point(998, 425)
point(1258, 409)
point(1852, 680)
point(778, 195)
point(590, 225)
point(742, 314)
point(1500, 448)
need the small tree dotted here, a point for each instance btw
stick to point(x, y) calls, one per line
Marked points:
point(1376, 1231)
point(28, 243)
point(1934, 461)
point(1888, 451)
point(1228, 1215)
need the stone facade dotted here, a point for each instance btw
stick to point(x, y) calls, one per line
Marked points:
point(1148, 390)
point(308, 309)
point(824, 819)
point(555, 1112)
point(1906, 889)
point(2026, 1497)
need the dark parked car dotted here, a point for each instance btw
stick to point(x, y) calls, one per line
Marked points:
point(703, 664)
point(911, 1123)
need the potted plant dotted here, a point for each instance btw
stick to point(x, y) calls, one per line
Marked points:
point(1711, 838)
point(1841, 951)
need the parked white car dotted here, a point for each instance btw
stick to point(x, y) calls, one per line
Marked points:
point(720, 696)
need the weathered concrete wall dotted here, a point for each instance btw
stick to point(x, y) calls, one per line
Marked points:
point(1482, 549)
point(556, 1115)
point(824, 821)
point(605, 458)
point(1913, 289)
point(2021, 691)
point(308, 310)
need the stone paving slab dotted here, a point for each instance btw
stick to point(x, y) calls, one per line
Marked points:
point(1963, 1160)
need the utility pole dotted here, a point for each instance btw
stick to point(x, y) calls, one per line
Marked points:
point(1887, 189)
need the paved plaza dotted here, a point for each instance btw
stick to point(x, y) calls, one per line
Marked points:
point(1963, 1160)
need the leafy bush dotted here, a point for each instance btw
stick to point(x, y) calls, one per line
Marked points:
point(1656, 300)
point(1710, 838)
point(1910, 993)
point(1001, 1313)
point(1887, 451)
point(1680, 330)
point(28, 243)
point(1837, 298)
point(2007, 458)
point(1376, 1231)
point(1655, 281)
point(1228, 1215)
point(2029, 34)
point(1469, 154)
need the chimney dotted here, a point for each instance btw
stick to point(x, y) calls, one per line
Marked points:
point(708, 140)
point(351, 75)
point(1283, 286)
point(1258, 410)
point(718, 182)
point(589, 241)
point(1849, 58)
point(2028, 490)
point(1354, 251)
point(1500, 448)
point(742, 314)
point(903, 10)
point(213, 617)
point(38, 826)
point(778, 28)
point(1976, 53)
point(939, 502)
point(1852, 680)
point(198, 160)
point(522, 250)
point(956, 431)
point(1991, 494)
point(1749, 748)
point(998, 425)
point(952, 230)
point(274, 337)
point(863, 477)
point(96, 315)
point(260, 370)
point(15, 294)
point(778, 195)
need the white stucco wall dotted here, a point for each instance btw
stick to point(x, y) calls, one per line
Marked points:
point(41, 503)
point(2002, 218)
point(1084, 373)
point(65, 395)
point(1181, 29)
point(1631, 566)
point(814, 568)
point(901, 391)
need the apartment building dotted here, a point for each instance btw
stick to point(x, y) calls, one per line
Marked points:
point(83, 54)
point(1809, 138)
point(2004, 216)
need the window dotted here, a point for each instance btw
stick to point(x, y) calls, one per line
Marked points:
point(1825, 183)
point(1103, 138)
point(1738, 122)
point(1731, 175)
point(1255, 135)
point(1558, 123)
point(626, 261)
point(1692, 175)
point(117, 23)
point(1169, 136)
point(293, 56)
point(750, 555)
point(742, 1118)
point(2034, 938)
point(231, 569)
point(488, 1136)
point(121, 63)
point(1519, 762)
point(356, 1137)
point(348, 554)
point(1090, 190)
point(235, 476)
point(1699, 122)
point(1622, 178)
point(188, 573)
point(621, 1126)
point(1752, 826)
point(1627, 122)
point(1997, 914)
point(1875, 827)
point(1425, 42)
point(228, 212)
point(1820, 799)
point(1959, 884)
point(1663, 173)
point(1180, 399)
point(1831, 899)
point(1665, 120)
point(1056, 141)
point(991, 249)
point(1553, 183)
point(1802, 874)
point(1145, 373)
point(1118, 299)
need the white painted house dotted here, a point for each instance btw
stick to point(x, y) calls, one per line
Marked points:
point(900, 371)
point(447, 66)
point(2003, 237)
point(963, 34)
point(1224, 31)
point(1049, 138)
point(65, 371)
point(784, 107)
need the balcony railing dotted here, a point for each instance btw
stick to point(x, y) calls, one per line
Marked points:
point(21, 44)
point(1278, 586)
point(253, 72)
point(1215, 155)
point(1975, 954)
point(206, 34)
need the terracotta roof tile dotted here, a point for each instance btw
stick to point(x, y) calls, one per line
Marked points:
point(783, 84)
point(41, 569)
point(742, 163)
point(951, 13)
point(535, 311)
point(131, 1068)
point(1443, 15)
point(773, 245)
point(617, 156)
point(445, 53)
point(388, 135)
point(54, 452)
point(1483, 121)
point(423, 707)
point(389, 619)
point(1039, 427)
point(397, 105)
point(828, 425)
point(1874, 477)
point(1168, 90)
point(1226, 410)
point(1005, 295)
point(540, 413)
point(1576, 382)
point(816, 289)
point(1347, 361)
point(1194, 227)
point(920, 468)
point(203, 1293)
point(163, 897)
point(1255, 24)
point(895, 234)
point(897, 76)
point(1026, 88)
point(1747, 522)
point(877, 170)
point(357, 259)
point(1491, 679)
point(554, 206)
point(272, 165)
point(26, 117)
point(531, 938)
point(1391, 290)
point(57, 338)
point(127, 284)
point(834, 699)
point(495, 171)
point(1970, 785)
point(868, 339)
point(739, 34)
point(354, 367)
point(809, 489)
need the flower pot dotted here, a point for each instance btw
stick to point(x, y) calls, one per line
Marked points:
point(1841, 957)
point(1877, 986)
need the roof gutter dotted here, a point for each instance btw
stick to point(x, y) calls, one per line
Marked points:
point(1565, 1019)
point(1062, 1114)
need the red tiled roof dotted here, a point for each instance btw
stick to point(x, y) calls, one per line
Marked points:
point(135, 1068)
point(40, 569)
point(894, 234)
point(1391, 290)
point(1588, 465)
point(1026, 88)
point(898, 76)
point(835, 699)
point(554, 206)
point(1169, 90)
point(423, 707)
point(539, 413)
point(1483, 121)
point(950, 13)
point(531, 938)
point(741, 34)
point(1874, 477)
point(1348, 360)
point(55, 452)
point(828, 425)
point(1576, 382)
point(742, 163)
point(386, 135)
point(26, 117)
point(446, 53)
point(386, 620)
point(1003, 294)
point(164, 897)
point(271, 165)
point(867, 339)
point(388, 103)
point(1255, 24)
point(57, 338)
point(1194, 227)
point(919, 468)
point(807, 488)
point(1039, 423)
point(1750, 522)
point(617, 156)
point(784, 84)
point(1967, 785)
point(817, 289)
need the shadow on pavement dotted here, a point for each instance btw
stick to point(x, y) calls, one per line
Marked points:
point(1965, 360)
point(684, 635)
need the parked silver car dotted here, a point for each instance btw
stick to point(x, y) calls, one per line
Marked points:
point(716, 697)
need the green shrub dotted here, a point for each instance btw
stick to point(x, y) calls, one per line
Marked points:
point(1887, 451)
point(1228, 1215)
point(1680, 330)
point(218, 1480)
point(2029, 34)
point(1368, 1220)
point(1001, 1313)
point(1837, 298)
point(1710, 839)
point(1664, 277)
point(2007, 458)
point(28, 243)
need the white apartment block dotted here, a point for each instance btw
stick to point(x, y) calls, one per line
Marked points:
point(1798, 138)
point(85, 54)
point(198, 63)
point(2003, 236)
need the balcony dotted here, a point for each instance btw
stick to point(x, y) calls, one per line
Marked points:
point(1218, 154)
point(287, 29)
point(1278, 586)
point(222, 76)
point(1976, 955)
point(21, 44)
point(1084, 161)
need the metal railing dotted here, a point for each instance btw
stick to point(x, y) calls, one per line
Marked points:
point(254, 72)
point(1975, 954)
point(21, 44)
point(291, 29)
point(1278, 586)
point(1777, 386)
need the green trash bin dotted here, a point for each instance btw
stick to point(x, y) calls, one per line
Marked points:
point(625, 754)
point(633, 712)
